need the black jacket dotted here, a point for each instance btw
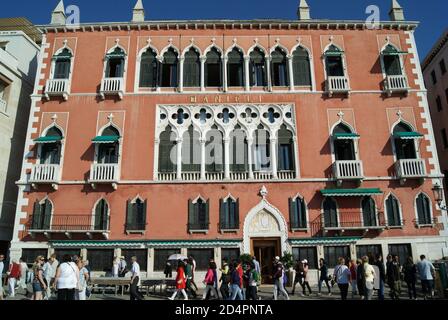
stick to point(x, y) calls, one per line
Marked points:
point(382, 269)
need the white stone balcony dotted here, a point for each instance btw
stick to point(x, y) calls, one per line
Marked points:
point(396, 84)
point(337, 85)
point(45, 174)
point(57, 87)
point(220, 176)
point(104, 173)
point(112, 86)
point(2, 105)
point(348, 170)
point(410, 169)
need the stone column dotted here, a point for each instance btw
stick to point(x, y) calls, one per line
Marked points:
point(246, 73)
point(273, 143)
point(203, 60)
point(290, 72)
point(296, 156)
point(226, 158)
point(224, 75)
point(181, 74)
point(179, 159)
point(150, 264)
point(250, 142)
point(353, 251)
point(84, 254)
point(268, 72)
point(156, 158)
point(202, 142)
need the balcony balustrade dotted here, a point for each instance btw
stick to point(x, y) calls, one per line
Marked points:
point(57, 87)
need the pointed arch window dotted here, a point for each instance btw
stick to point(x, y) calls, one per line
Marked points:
point(136, 215)
point(238, 151)
point(213, 69)
point(192, 69)
point(285, 150)
point(330, 213)
point(404, 140)
point(369, 212)
point(343, 144)
point(62, 64)
point(393, 212)
point(191, 151)
point(262, 150)
point(229, 214)
point(301, 67)
point(279, 67)
point(108, 151)
point(101, 221)
point(214, 153)
point(168, 74)
point(334, 62)
point(257, 68)
point(149, 68)
point(235, 68)
point(42, 215)
point(198, 215)
point(423, 204)
point(50, 153)
point(167, 151)
point(391, 61)
point(115, 61)
point(297, 213)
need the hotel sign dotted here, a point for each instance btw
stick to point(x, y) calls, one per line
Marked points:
point(226, 99)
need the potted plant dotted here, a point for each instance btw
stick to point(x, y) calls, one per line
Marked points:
point(288, 262)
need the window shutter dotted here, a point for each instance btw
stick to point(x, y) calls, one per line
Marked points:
point(222, 218)
point(301, 70)
point(47, 215)
point(143, 218)
point(207, 215)
point(98, 215)
point(191, 213)
point(293, 213)
point(105, 216)
point(392, 65)
point(129, 215)
point(35, 223)
point(237, 213)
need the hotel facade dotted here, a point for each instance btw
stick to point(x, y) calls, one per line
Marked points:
point(319, 136)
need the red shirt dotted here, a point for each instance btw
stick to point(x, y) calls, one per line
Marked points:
point(353, 272)
point(240, 273)
point(180, 279)
point(14, 270)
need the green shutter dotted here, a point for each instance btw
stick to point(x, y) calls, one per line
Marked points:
point(222, 218)
point(237, 213)
point(47, 215)
point(207, 214)
point(129, 214)
point(293, 213)
point(143, 218)
point(98, 215)
point(301, 68)
point(36, 216)
point(191, 213)
point(302, 214)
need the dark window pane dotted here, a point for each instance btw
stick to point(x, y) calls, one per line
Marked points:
point(330, 213)
point(202, 257)
point(29, 255)
point(368, 250)
point(100, 259)
point(334, 66)
point(141, 254)
point(230, 254)
point(333, 253)
point(403, 251)
point(161, 256)
point(60, 253)
point(393, 212)
point(308, 253)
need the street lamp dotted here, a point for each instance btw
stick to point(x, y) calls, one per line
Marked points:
point(438, 196)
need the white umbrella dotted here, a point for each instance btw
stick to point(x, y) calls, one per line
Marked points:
point(177, 256)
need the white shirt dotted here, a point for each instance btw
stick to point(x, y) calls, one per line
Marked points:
point(2, 266)
point(23, 270)
point(115, 269)
point(69, 276)
point(136, 271)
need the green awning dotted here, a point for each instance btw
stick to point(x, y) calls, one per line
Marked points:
point(394, 53)
point(408, 135)
point(346, 136)
point(350, 192)
point(324, 241)
point(333, 53)
point(105, 139)
point(50, 139)
point(147, 243)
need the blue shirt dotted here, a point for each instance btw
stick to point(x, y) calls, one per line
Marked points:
point(257, 265)
point(425, 268)
point(342, 274)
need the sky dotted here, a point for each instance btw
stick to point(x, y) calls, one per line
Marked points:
point(430, 13)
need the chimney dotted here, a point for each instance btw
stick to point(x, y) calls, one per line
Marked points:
point(138, 14)
point(303, 12)
point(58, 15)
point(396, 13)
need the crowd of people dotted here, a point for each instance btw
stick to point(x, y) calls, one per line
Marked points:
point(239, 280)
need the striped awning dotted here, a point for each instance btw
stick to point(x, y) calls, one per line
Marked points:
point(350, 192)
point(333, 53)
point(324, 241)
point(346, 136)
point(408, 135)
point(105, 139)
point(147, 244)
point(50, 139)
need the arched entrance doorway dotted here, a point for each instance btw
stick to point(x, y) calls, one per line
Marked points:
point(265, 236)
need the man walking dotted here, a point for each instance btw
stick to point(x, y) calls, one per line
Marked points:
point(2, 269)
point(393, 277)
point(189, 277)
point(122, 268)
point(49, 275)
point(382, 275)
point(342, 277)
point(135, 280)
point(193, 264)
point(225, 279)
point(278, 279)
point(427, 271)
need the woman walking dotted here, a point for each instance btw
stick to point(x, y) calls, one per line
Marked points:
point(13, 277)
point(410, 277)
point(38, 279)
point(323, 277)
point(181, 282)
point(209, 282)
point(299, 275)
point(305, 283)
point(369, 276)
point(83, 278)
point(67, 278)
point(360, 279)
point(342, 277)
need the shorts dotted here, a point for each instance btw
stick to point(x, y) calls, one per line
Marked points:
point(37, 287)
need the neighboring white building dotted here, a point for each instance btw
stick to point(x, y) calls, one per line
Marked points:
point(18, 64)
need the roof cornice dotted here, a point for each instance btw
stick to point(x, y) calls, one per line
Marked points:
point(268, 24)
point(438, 46)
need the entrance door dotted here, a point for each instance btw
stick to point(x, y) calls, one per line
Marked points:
point(265, 250)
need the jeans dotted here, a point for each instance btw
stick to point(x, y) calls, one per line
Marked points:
point(354, 288)
point(319, 285)
point(381, 290)
point(212, 290)
point(278, 286)
point(181, 291)
point(66, 294)
point(411, 289)
point(12, 286)
point(306, 284)
point(134, 293)
point(427, 287)
point(224, 290)
point(251, 293)
point(343, 287)
point(236, 291)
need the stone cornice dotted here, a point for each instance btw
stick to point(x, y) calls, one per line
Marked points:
point(267, 24)
point(438, 46)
